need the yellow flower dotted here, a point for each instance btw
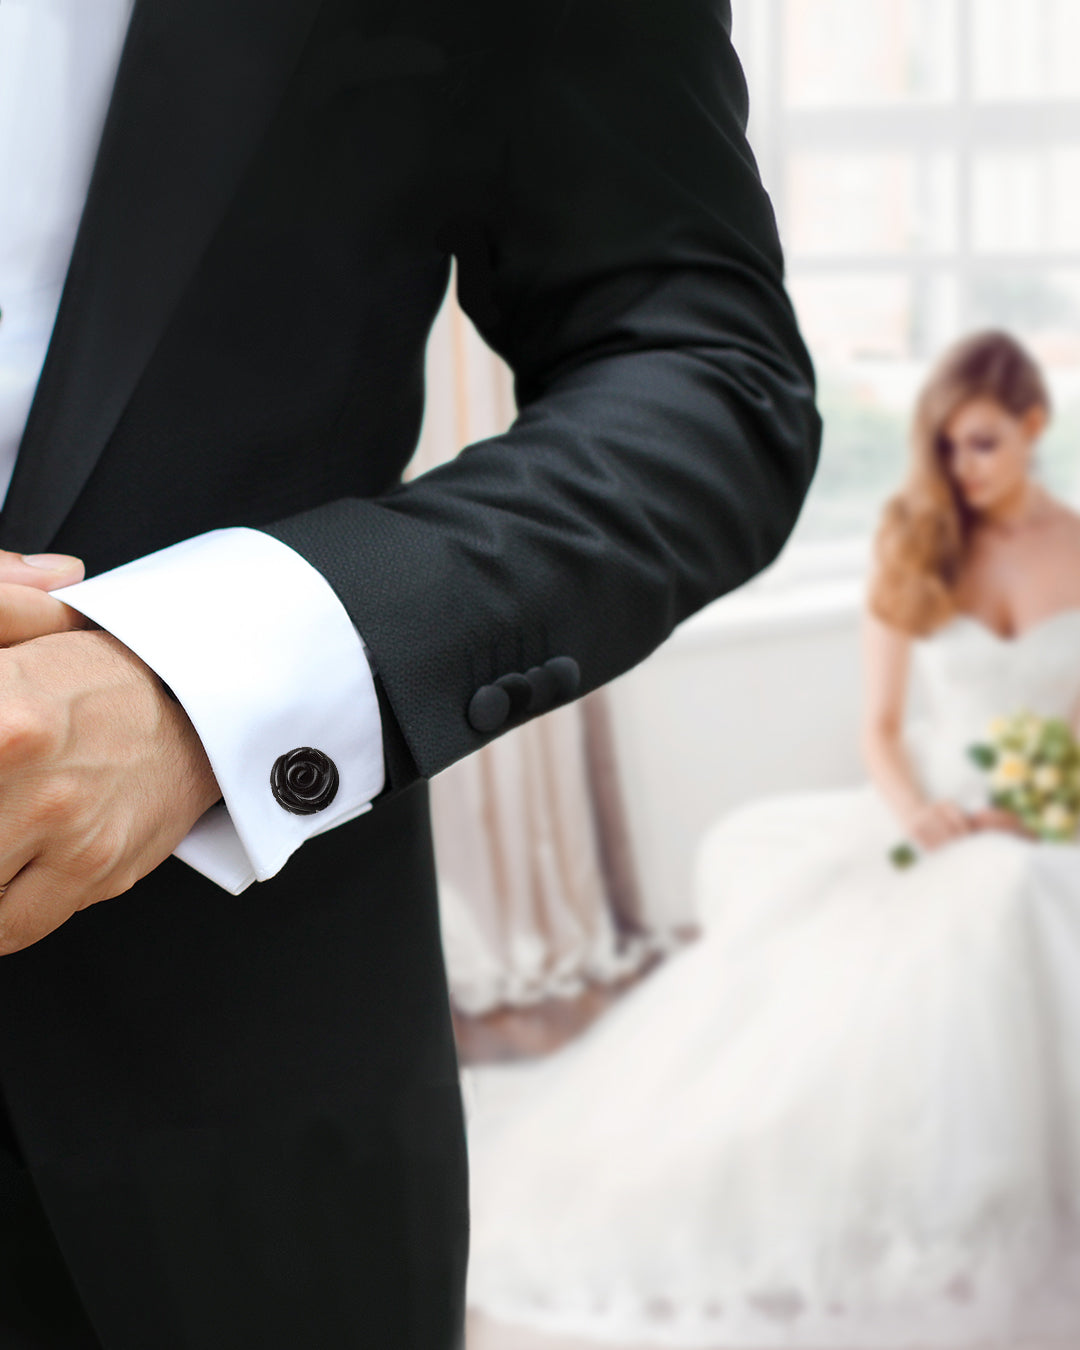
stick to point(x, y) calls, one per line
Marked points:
point(1010, 771)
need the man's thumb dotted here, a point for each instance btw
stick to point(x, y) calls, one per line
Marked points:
point(46, 571)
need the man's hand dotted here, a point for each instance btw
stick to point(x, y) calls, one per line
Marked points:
point(26, 609)
point(101, 776)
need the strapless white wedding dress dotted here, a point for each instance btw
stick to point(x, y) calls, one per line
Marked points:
point(846, 1116)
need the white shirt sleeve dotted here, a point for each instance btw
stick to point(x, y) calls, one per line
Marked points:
point(263, 656)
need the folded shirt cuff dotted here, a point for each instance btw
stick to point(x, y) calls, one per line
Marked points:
point(259, 650)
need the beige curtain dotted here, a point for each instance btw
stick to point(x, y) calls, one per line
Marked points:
point(538, 890)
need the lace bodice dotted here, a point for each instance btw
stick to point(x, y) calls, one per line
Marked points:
point(971, 674)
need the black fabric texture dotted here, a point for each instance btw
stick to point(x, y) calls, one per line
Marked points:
point(241, 1116)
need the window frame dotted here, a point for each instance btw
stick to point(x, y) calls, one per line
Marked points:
point(961, 124)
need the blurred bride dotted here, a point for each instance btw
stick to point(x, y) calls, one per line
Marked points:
point(849, 1114)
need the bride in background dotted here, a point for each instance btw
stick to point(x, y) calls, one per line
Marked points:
point(848, 1115)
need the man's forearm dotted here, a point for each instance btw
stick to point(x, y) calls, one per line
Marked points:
point(624, 260)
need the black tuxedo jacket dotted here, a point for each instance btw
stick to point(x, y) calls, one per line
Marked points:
point(243, 1113)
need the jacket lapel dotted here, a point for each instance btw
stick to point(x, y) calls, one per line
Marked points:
point(196, 85)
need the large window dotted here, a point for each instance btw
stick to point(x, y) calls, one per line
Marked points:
point(923, 158)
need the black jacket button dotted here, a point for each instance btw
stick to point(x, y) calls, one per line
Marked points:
point(518, 689)
point(304, 780)
point(567, 674)
point(545, 689)
point(488, 708)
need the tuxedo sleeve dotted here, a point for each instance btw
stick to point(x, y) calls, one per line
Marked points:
point(258, 649)
point(615, 245)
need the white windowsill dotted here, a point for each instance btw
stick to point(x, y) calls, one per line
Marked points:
point(814, 587)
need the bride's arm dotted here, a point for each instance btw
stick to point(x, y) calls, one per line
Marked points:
point(886, 658)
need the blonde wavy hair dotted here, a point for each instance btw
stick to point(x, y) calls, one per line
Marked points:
point(923, 533)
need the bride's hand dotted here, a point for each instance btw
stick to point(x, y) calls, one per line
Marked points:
point(938, 822)
point(997, 818)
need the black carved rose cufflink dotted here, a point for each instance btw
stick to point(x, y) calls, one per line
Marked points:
point(304, 781)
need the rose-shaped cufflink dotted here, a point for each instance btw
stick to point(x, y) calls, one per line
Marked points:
point(304, 780)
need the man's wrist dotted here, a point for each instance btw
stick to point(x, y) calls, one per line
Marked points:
point(205, 786)
point(259, 670)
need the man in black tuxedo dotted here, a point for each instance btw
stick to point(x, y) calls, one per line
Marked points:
point(234, 1119)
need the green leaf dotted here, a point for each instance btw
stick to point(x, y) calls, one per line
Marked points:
point(902, 855)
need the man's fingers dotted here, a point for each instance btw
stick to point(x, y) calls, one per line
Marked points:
point(43, 571)
point(26, 609)
point(28, 911)
point(27, 613)
point(39, 895)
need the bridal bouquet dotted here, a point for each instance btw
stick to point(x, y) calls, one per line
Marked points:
point(1033, 764)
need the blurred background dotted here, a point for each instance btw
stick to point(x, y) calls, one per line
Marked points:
point(923, 159)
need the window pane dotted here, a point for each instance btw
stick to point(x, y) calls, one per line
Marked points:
point(1027, 200)
point(880, 273)
point(862, 450)
point(1023, 49)
point(848, 318)
point(862, 51)
point(874, 316)
point(891, 203)
point(871, 336)
point(1042, 306)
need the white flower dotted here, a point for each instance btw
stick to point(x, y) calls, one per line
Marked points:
point(1046, 777)
point(1056, 817)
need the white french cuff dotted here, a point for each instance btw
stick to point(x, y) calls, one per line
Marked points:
point(264, 658)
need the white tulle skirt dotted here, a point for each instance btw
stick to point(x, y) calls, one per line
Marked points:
point(847, 1116)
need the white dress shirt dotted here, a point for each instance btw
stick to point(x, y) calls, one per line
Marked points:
point(250, 637)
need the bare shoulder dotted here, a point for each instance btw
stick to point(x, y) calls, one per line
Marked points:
point(1054, 554)
point(1067, 519)
point(1062, 532)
